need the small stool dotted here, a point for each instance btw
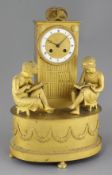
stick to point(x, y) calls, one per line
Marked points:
point(27, 108)
point(91, 106)
point(23, 109)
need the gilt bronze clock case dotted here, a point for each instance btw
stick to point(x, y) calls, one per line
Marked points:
point(60, 136)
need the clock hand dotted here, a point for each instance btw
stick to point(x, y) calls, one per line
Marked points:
point(51, 42)
point(61, 42)
point(57, 45)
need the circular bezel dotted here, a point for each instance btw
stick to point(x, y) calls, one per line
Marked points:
point(40, 41)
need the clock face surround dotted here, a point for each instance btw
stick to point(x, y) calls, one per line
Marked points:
point(57, 45)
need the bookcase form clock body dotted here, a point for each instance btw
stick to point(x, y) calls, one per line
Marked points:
point(56, 51)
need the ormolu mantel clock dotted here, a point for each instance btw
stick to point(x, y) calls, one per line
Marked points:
point(56, 119)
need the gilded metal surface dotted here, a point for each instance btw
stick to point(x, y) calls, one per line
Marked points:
point(29, 96)
point(44, 127)
point(56, 14)
point(57, 76)
point(62, 165)
point(89, 87)
point(48, 139)
point(30, 133)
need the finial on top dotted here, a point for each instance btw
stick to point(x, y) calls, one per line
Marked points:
point(56, 14)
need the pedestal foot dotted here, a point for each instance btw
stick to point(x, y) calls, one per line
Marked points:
point(10, 155)
point(62, 165)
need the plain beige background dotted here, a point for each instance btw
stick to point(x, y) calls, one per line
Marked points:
point(17, 45)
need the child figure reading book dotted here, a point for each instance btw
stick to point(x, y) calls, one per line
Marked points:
point(26, 94)
point(89, 87)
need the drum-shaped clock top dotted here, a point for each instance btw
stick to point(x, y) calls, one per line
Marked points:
point(57, 45)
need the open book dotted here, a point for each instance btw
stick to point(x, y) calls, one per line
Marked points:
point(81, 86)
point(35, 87)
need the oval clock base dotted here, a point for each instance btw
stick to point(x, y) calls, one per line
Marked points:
point(57, 137)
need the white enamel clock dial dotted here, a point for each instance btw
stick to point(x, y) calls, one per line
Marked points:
point(57, 45)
